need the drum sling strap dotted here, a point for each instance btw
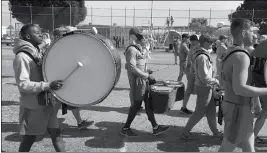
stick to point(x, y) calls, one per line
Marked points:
point(201, 53)
point(42, 95)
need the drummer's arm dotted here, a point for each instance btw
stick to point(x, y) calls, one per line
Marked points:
point(22, 75)
point(131, 64)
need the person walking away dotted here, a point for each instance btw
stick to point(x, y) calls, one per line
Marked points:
point(176, 46)
point(183, 55)
point(189, 75)
point(221, 50)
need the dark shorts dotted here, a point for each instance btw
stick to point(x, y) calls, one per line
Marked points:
point(238, 121)
point(37, 121)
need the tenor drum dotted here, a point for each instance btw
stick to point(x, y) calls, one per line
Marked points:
point(89, 65)
point(179, 86)
point(163, 98)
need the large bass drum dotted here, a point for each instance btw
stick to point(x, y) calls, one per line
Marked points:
point(89, 65)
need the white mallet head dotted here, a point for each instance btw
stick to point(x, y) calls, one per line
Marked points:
point(94, 30)
point(80, 64)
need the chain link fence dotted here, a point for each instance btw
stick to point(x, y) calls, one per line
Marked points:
point(112, 22)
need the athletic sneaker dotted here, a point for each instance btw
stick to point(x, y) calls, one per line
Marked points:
point(84, 124)
point(128, 132)
point(186, 111)
point(161, 129)
point(259, 141)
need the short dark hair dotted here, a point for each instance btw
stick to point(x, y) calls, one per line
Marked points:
point(185, 35)
point(238, 25)
point(25, 30)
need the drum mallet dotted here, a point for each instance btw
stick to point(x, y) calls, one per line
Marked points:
point(79, 64)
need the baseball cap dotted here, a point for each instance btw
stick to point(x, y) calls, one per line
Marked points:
point(185, 35)
point(193, 38)
point(135, 31)
point(221, 37)
point(205, 38)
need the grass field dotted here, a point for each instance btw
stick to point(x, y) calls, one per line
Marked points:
point(109, 116)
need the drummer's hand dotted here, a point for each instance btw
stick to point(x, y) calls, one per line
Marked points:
point(149, 71)
point(55, 85)
point(217, 83)
point(151, 80)
point(47, 41)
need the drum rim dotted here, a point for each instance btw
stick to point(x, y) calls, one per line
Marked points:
point(67, 102)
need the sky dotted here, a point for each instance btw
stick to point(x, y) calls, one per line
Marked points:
point(178, 9)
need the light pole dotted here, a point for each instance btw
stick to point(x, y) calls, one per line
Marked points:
point(151, 17)
point(70, 12)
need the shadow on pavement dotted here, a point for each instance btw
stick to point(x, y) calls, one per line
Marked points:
point(125, 110)
point(9, 103)
point(110, 138)
point(14, 128)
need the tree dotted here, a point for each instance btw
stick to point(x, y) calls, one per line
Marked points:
point(259, 16)
point(42, 12)
point(198, 24)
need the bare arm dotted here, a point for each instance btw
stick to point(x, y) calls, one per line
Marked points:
point(131, 64)
point(240, 77)
point(22, 75)
point(185, 49)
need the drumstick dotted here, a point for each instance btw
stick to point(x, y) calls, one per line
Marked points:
point(79, 64)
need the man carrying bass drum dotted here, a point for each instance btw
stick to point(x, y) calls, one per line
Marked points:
point(138, 77)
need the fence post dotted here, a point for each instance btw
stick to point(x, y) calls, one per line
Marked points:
point(125, 16)
point(53, 20)
point(134, 17)
point(210, 17)
point(252, 15)
point(70, 14)
point(189, 18)
point(111, 15)
point(91, 15)
point(31, 12)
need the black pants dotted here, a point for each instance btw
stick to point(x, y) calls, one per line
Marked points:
point(137, 106)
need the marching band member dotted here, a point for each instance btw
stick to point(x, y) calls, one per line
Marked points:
point(35, 116)
point(138, 77)
point(190, 76)
point(204, 83)
point(221, 49)
point(184, 49)
point(236, 81)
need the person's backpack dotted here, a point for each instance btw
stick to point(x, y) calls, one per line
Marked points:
point(226, 56)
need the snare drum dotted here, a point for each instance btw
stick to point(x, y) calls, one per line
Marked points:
point(88, 64)
point(180, 89)
point(163, 98)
